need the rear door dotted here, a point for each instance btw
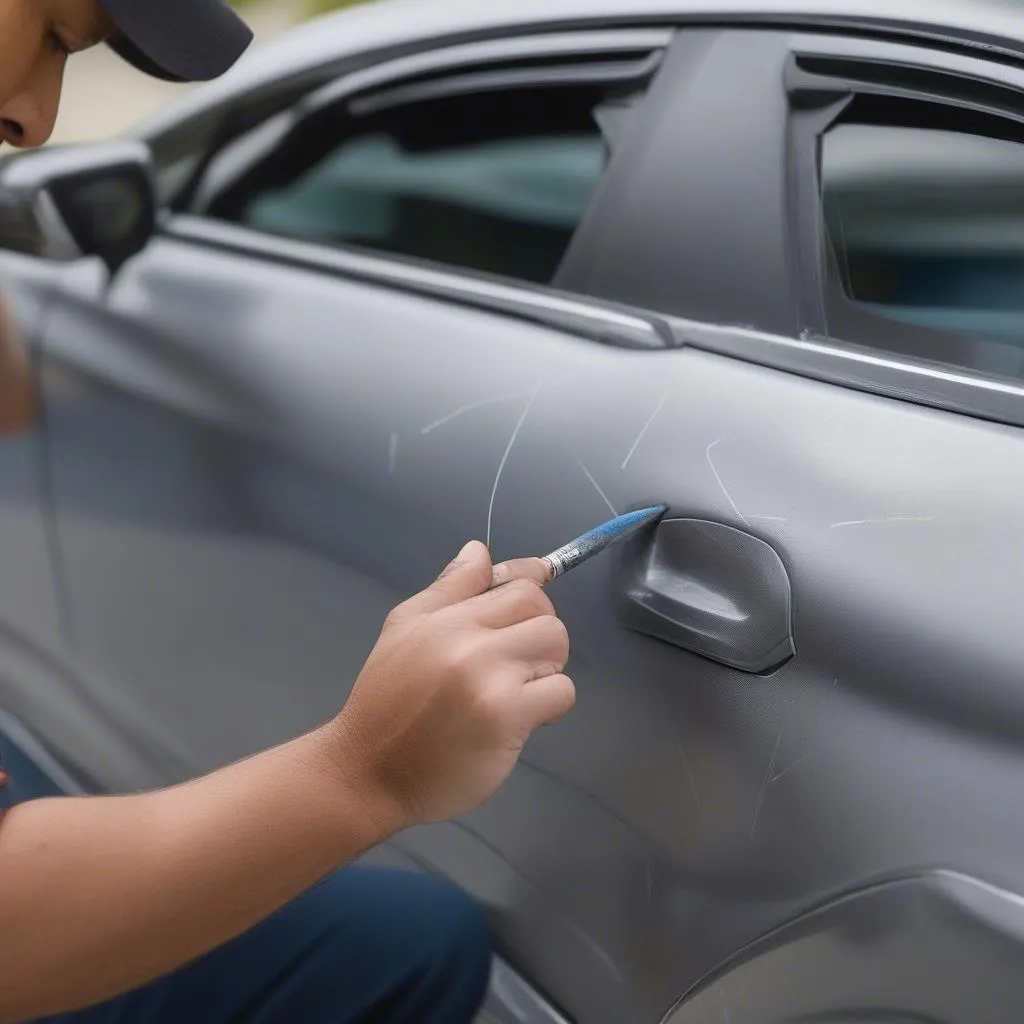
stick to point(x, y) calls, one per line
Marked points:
point(818, 688)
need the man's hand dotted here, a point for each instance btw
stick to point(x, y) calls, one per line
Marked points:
point(460, 677)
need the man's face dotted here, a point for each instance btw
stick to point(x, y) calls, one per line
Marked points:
point(36, 38)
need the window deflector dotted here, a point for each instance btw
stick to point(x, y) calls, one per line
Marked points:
point(601, 72)
point(246, 152)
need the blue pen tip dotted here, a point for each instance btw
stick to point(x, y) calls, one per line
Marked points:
point(631, 521)
point(644, 515)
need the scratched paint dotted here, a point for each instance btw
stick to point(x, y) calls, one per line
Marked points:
point(472, 407)
point(881, 521)
point(597, 487)
point(504, 459)
point(721, 483)
point(816, 732)
point(767, 781)
point(643, 432)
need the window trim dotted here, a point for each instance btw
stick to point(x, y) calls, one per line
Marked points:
point(816, 103)
point(593, 319)
point(509, 78)
point(861, 369)
point(224, 169)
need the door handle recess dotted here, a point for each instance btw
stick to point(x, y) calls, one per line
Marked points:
point(710, 589)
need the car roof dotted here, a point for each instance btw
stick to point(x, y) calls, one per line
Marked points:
point(994, 25)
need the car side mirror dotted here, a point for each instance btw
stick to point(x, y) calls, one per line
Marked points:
point(68, 202)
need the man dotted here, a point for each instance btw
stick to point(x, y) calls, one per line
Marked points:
point(218, 900)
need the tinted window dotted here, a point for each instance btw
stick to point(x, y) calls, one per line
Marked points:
point(496, 181)
point(926, 226)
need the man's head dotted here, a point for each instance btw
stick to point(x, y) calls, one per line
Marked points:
point(181, 40)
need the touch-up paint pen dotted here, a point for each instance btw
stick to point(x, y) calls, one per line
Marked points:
point(593, 542)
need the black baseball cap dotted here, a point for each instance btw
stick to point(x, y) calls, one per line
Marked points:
point(178, 40)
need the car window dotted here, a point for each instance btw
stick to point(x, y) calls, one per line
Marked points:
point(926, 226)
point(496, 181)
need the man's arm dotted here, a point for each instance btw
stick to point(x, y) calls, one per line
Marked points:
point(102, 894)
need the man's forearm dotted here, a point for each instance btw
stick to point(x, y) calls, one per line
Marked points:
point(101, 894)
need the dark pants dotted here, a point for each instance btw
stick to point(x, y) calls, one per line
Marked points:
point(366, 945)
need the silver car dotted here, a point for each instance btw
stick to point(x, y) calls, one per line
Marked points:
point(430, 270)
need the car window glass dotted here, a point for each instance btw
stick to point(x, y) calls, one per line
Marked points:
point(926, 225)
point(496, 181)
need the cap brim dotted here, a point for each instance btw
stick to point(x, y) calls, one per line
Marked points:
point(178, 40)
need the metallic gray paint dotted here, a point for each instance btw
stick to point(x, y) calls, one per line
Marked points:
point(225, 495)
point(891, 947)
point(251, 457)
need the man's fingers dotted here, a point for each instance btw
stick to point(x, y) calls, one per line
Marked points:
point(536, 569)
point(546, 700)
point(467, 575)
point(510, 604)
point(471, 574)
point(541, 643)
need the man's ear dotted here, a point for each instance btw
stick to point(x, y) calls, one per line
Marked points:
point(18, 399)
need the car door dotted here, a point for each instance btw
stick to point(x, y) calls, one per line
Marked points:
point(802, 686)
point(261, 445)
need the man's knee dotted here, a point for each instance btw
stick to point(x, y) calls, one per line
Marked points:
point(416, 932)
point(366, 946)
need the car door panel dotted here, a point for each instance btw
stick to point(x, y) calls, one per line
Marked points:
point(29, 609)
point(38, 680)
point(742, 799)
point(254, 457)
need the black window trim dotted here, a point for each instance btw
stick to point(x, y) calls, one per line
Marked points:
point(817, 101)
point(241, 154)
point(590, 318)
point(607, 72)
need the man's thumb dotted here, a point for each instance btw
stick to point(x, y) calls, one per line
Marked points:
point(466, 576)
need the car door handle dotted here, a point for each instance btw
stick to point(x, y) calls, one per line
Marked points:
point(710, 589)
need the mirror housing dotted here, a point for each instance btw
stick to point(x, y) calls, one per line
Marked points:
point(68, 202)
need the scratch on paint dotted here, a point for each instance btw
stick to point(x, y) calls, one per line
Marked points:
point(721, 483)
point(646, 427)
point(504, 459)
point(725, 1009)
point(605, 958)
point(392, 453)
point(790, 767)
point(601, 953)
point(649, 875)
point(693, 787)
point(597, 486)
point(470, 408)
point(882, 521)
point(768, 519)
point(810, 753)
point(767, 781)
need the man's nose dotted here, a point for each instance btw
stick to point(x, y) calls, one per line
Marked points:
point(28, 117)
